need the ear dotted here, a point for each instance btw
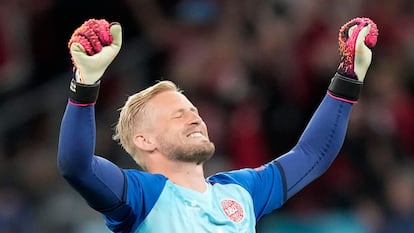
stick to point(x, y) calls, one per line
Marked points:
point(144, 142)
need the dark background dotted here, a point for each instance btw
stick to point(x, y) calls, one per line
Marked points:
point(256, 70)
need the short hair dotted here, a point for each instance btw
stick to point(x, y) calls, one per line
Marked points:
point(132, 113)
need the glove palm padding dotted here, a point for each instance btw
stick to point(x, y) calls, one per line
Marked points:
point(356, 38)
point(90, 68)
point(363, 55)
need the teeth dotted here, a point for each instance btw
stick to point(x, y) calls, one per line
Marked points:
point(194, 135)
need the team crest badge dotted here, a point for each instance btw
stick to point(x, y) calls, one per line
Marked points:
point(233, 210)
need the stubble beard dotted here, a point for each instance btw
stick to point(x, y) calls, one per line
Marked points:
point(198, 153)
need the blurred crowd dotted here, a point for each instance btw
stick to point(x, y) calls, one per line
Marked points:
point(256, 70)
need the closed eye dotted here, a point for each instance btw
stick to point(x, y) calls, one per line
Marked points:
point(178, 114)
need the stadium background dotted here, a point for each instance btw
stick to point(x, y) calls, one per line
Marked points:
point(256, 70)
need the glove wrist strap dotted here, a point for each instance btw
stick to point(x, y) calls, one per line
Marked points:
point(345, 88)
point(83, 93)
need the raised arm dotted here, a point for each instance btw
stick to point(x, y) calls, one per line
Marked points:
point(93, 46)
point(272, 184)
point(322, 139)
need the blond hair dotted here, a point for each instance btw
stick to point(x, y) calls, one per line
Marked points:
point(132, 114)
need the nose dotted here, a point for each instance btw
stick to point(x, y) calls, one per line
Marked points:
point(194, 118)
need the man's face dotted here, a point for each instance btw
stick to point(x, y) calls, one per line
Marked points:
point(179, 132)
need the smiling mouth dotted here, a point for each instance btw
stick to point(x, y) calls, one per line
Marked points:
point(195, 135)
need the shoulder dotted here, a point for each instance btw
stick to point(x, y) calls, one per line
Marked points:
point(246, 176)
point(134, 176)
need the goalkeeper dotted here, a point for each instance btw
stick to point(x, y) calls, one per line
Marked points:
point(164, 133)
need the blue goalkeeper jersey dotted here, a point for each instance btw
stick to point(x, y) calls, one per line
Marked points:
point(133, 201)
point(232, 202)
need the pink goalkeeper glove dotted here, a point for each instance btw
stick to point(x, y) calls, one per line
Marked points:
point(356, 39)
point(93, 46)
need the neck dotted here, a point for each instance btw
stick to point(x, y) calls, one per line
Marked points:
point(188, 175)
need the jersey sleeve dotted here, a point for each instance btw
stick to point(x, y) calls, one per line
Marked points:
point(122, 196)
point(265, 185)
point(142, 191)
point(98, 180)
point(317, 147)
point(277, 181)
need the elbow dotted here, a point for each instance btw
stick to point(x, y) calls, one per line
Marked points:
point(320, 170)
point(324, 162)
point(65, 168)
point(68, 166)
point(320, 160)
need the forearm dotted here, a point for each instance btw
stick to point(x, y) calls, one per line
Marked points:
point(76, 140)
point(99, 181)
point(323, 137)
point(317, 147)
